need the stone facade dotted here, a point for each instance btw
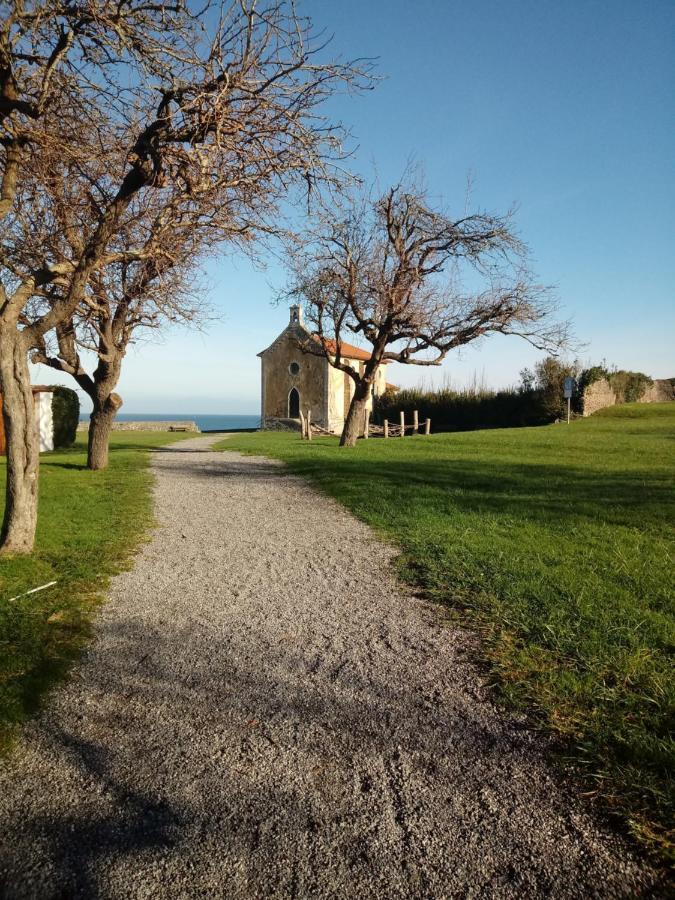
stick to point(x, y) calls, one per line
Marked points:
point(293, 381)
point(600, 395)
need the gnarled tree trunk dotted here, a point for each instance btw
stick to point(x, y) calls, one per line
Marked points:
point(99, 386)
point(22, 442)
point(100, 426)
point(354, 423)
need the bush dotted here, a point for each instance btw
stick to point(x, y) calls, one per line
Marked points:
point(66, 415)
point(629, 386)
point(464, 410)
point(550, 375)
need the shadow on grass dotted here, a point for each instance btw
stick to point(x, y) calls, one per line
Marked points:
point(49, 464)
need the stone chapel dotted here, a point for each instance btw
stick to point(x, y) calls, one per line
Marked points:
point(293, 381)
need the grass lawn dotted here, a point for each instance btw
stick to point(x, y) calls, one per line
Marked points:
point(557, 543)
point(89, 522)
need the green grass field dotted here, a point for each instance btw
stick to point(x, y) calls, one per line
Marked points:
point(89, 523)
point(556, 542)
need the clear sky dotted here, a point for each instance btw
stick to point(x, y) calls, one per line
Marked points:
point(565, 108)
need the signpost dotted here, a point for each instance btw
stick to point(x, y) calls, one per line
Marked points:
point(568, 391)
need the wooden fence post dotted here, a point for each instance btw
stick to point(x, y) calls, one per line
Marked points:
point(366, 430)
point(427, 426)
point(302, 426)
point(309, 424)
point(416, 422)
point(402, 423)
point(386, 428)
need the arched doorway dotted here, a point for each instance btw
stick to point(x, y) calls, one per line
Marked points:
point(294, 404)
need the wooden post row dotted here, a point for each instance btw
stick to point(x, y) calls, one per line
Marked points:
point(386, 428)
point(366, 430)
point(416, 422)
point(402, 424)
point(309, 424)
point(302, 426)
point(427, 426)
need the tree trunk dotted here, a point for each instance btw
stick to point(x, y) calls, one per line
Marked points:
point(356, 416)
point(23, 446)
point(100, 426)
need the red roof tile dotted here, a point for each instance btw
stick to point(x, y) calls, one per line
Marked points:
point(347, 351)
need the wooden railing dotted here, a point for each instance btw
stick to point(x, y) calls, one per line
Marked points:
point(388, 429)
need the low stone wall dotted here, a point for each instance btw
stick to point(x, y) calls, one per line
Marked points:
point(272, 423)
point(147, 426)
point(597, 396)
point(658, 392)
point(600, 395)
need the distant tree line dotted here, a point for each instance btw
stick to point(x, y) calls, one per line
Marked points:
point(537, 400)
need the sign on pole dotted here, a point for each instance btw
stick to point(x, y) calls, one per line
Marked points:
point(568, 390)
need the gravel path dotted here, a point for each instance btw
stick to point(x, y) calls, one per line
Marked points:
point(266, 713)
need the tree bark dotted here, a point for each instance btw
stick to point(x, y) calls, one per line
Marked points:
point(100, 426)
point(353, 427)
point(23, 447)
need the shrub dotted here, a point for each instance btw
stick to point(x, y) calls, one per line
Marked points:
point(464, 410)
point(66, 415)
point(550, 375)
point(629, 386)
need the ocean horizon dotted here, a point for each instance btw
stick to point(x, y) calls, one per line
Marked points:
point(205, 422)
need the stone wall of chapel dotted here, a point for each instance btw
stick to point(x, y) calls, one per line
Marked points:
point(278, 381)
point(325, 390)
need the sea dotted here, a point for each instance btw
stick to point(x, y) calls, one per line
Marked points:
point(204, 422)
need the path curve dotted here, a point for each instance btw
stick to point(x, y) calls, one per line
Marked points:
point(266, 713)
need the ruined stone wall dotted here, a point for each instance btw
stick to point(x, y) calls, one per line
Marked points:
point(658, 392)
point(597, 396)
point(600, 395)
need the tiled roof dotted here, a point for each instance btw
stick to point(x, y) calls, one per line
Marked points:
point(347, 351)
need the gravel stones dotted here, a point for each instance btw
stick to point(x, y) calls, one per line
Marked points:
point(265, 712)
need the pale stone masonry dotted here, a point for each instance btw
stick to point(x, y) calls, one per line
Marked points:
point(148, 426)
point(294, 382)
point(600, 395)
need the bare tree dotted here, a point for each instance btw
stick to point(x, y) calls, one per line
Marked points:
point(124, 299)
point(152, 281)
point(187, 107)
point(392, 270)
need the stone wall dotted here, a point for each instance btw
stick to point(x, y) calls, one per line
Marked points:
point(147, 426)
point(658, 392)
point(597, 396)
point(285, 367)
point(600, 395)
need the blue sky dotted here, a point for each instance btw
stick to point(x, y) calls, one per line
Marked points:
point(562, 108)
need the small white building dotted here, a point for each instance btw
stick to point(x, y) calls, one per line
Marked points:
point(42, 404)
point(42, 398)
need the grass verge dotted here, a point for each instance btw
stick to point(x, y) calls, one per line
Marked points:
point(89, 524)
point(557, 543)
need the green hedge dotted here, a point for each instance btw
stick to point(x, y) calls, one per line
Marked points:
point(66, 415)
point(537, 401)
point(464, 411)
